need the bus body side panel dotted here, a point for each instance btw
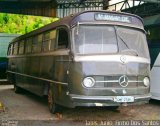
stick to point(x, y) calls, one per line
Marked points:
point(60, 89)
point(47, 65)
point(37, 73)
point(11, 67)
point(28, 70)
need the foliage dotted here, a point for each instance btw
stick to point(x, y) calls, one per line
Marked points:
point(21, 24)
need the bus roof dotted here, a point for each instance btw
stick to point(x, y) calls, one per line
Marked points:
point(88, 16)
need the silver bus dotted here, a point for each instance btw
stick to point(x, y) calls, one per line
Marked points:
point(155, 86)
point(93, 58)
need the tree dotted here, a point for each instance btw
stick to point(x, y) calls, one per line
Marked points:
point(21, 24)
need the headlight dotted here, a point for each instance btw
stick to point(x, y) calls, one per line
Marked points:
point(88, 82)
point(146, 81)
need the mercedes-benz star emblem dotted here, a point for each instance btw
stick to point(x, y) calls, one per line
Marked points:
point(123, 81)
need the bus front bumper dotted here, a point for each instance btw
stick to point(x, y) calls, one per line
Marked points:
point(80, 100)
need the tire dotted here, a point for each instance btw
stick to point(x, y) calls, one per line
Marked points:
point(53, 107)
point(17, 89)
point(113, 107)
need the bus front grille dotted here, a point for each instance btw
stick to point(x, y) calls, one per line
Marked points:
point(114, 82)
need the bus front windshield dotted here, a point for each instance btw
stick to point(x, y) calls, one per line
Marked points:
point(105, 39)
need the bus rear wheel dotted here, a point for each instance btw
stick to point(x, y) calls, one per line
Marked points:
point(17, 89)
point(53, 107)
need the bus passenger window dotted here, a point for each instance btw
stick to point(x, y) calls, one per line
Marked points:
point(46, 42)
point(62, 39)
point(21, 47)
point(10, 49)
point(34, 44)
point(39, 45)
point(11, 53)
point(37, 42)
point(28, 46)
point(53, 39)
point(15, 48)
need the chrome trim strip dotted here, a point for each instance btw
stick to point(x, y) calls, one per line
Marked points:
point(110, 81)
point(111, 98)
point(57, 82)
point(142, 97)
point(92, 97)
point(111, 58)
point(114, 81)
point(62, 52)
point(110, 88)
point(132, 81)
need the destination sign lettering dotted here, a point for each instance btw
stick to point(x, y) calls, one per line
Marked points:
point(112, 17)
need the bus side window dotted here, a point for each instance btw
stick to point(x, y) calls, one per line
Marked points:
point(62, 39)
point(10, 49)
point(37, 42)
point(53, 39)
point(21, 47)
point(15, 48)
point(34, 44)
point(28, 46)
point(46, 42)
point(40, 37)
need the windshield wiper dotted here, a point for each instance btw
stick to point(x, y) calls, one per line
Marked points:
point(121, 37)
point(128, 49)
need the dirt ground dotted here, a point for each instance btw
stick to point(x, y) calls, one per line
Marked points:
point(29, 109)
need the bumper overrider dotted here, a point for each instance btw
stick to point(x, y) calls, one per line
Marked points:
point(81, 100)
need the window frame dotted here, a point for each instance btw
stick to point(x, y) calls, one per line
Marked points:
point(9, 52)
point(49, 41)
point(36, 44)
point(19, 47)
point(27, 45)
point(57, 37)
point(13, 52)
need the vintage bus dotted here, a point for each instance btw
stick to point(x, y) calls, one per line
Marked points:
point(93, 58)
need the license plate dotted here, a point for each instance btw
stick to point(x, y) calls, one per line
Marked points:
point(124, 99)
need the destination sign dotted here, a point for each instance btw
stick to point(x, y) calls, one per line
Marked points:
point(112, 17)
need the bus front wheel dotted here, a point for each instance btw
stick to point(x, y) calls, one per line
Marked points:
point(113, 107)
point(53, 107)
